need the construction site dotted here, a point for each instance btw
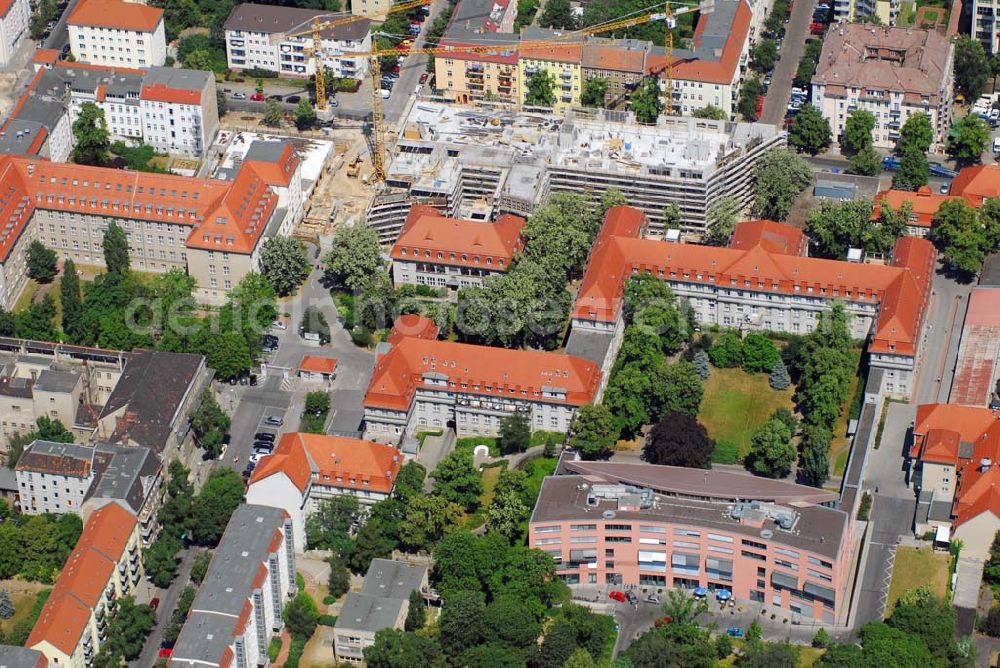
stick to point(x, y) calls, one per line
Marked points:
point(478, 164)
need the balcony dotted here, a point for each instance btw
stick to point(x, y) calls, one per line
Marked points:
point(566, 74)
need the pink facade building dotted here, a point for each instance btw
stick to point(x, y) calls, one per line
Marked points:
point(767, 541)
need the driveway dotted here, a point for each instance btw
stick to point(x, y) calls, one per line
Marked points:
point(780, 90)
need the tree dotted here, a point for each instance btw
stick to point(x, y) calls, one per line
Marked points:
point(41, 262)
point(754, 632)
point(646, 101)
point(710, 112)
point(284, 263)
point(462, 621)
point(821, 639)
point(331, 525)
point(842, 656)
point(228, 354)
point(272, 113)
point(338, 582)
point(410, 480)
point(301, 616)
point(971, 67)
point(674, 387)
point(958, 234)
point(221, 102)
point(814, 460)
point(679, 440)
point(457, 480)
point(858, 131)
point(759, 353)
point(427, 520)
point(6, 605)
point(397, 649)
point(35, 322)
point(917, 132)
point(700, 362)
point(116, 257)
point(923, 614)
point(305, 115)
point(610, 198)
point(771, 451)
point(723, 214)
point(594, 431)
point(914, 170)
point(747, 103)
point(866, 162)
point(671, 216)
point(199, 567)
point(212, 508)
point(781, 175)
point(541, 89)
point(90, 134)
point(727, 351)
point(594, 90)
point(968, 138)
point(69, 296)
point(129, 626)
point(764, 55)
point(210, 423)
point(557, 14)
point(354, 256)
point(770, 655)
point(884, 645)
point(580, 658)
point(810, 131)
point(838, 225)
point(416, 614)
point(160, 560)
point(515, 433)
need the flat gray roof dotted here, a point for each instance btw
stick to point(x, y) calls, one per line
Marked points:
point(368, 613)
point(179, 78)
point(589, 345)
point(228, 585)
point(393, 579)
point(265, 151)
point(125, 473)
point(12, 656)
point(57, 381)
point(277, 19)
point(19, 136)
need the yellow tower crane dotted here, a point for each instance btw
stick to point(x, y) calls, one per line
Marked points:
point(374, 69)
point(315, 31)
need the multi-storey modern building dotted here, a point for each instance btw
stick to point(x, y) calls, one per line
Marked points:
point(306, 469)
point(422, 384)
point(374, 8)
point(891, 72)
point(105, 565)
point(15, 16)
point(984, 25)
point(770, 542)
point(759, 284)
point(382, 603)
point(444, 252)
point(212, 228)
point(955, 453)
point(256, 38)
point(478, 165)
point(855, 10)
point(561, 62)
point(68, 478)
point(239, 604)
point(172, 109)
point(117, 33)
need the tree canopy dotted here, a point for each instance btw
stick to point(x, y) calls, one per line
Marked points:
point(679, 440)
point(90, 135)
point(354, 256)
point(780, 175)
point(810, 131)
point(594, 431)
point(771, 451)
point(971, 67)
point(968, 138)
point(284, 263)
point(858, 131)
point(41, 262)
point(540, 89)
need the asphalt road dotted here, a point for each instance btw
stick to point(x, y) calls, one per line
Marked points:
point(168, 603)
point(59, 36)
point(780, 91)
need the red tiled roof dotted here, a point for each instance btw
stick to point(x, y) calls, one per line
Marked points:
point(613, 58)
point(771, 236)
point(721, 71)
point(45, 56)
point(333, 461)
point(279, 172)
point(413, 325)
point(318, 364)
point(977, 183)
point(116, 14)
point(89, 568)
point(901, 289)
point(555, 53)
point(431, 237)
point(479, 370)
point(923, 204)
point(160, 92)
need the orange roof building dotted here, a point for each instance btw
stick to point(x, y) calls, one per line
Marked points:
point(117, 33)
point(765, 283)
point(977, 183)
point(438, 251)
point(306, 468)
point(104, 565)
point(923, 206)
point(423, 384)
point(956, 471)
point(317, 365)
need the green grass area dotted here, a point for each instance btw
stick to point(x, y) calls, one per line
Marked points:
point(916, 567)
point(24, 300)
point(537, 469)
point(840, 463)
point(736, 403)
point(422, 436)
point(538, 437)
point(906, 12)
point(470, 442)
point(808, 656)
point(491, 476)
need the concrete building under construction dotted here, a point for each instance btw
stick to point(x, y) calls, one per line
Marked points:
point(476, 165)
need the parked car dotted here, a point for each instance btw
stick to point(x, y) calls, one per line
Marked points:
point(166, 652)
point(293, 99)
point(274, 420)
point(424, 76)
point(944, 187)
point(652, 598)
point(937, 169)
point(154, 604)
point(239, 96)
point(890, 163)
point(385, 93)
point(632, 598)
point(617, 596)
point(264, 436)
point(261, 451)
point(257, 97)
point(665, 619)
point(734, 631)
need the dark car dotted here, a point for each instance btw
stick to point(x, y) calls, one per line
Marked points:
point(274, 97)
point(155, 603)
point(264, 436)
point(293, 99)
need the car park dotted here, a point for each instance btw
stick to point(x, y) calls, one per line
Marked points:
point(617, 596)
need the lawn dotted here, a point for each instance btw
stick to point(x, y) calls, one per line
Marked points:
point(807, 655)
point(915, 567)
point(906, 12)
point(490, 477)
point(736, 403)
point(470, 442)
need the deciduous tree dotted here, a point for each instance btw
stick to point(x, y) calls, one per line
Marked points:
point(723, 215)
point(810, 131)
point(541, 89)
point(284, 263)
point(355, 255)
point(416, 614)
point(781, 175)
point(710, 112)
point(116, 257)
point(959, 236)
point(759, 353)
point(747, 103)
point(41, 262)
point(771, 451)
point(594, 431)
point(866, 162)
point(727, 351)
point(858, 131)
point(515, 433)
point(90, 135)
point(764, 55)
point(914, 169)
point(557, 14)
point(917, 132)
point(814, 459)
point(594, 90)
point(272, 113)
point(212, 508)
point(679, 440)
point(646, 101)
point(305, 115)
point(457, 480)
point(968, 138)
point(971, 68)
point(427, 520)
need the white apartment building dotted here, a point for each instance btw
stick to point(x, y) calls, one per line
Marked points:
point(54, 477)
point(255, 38)
point(179, 110)
point(117, 33)
point(984, 25)
point(306, 469)
point(891, 72)
point(370, 7)
point(238, 606)
point(15, 17)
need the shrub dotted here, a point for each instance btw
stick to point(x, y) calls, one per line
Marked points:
point(865, 507)
point(326, 620)
point(726, 452)
point(274, 649)
point(295, 650)
point(361, 337)
point(821, 639)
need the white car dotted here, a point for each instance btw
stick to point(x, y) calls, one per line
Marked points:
point(278, 324)
point(994, 114)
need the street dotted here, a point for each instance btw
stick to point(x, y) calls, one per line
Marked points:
point(780, 90)
point(168, 602)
